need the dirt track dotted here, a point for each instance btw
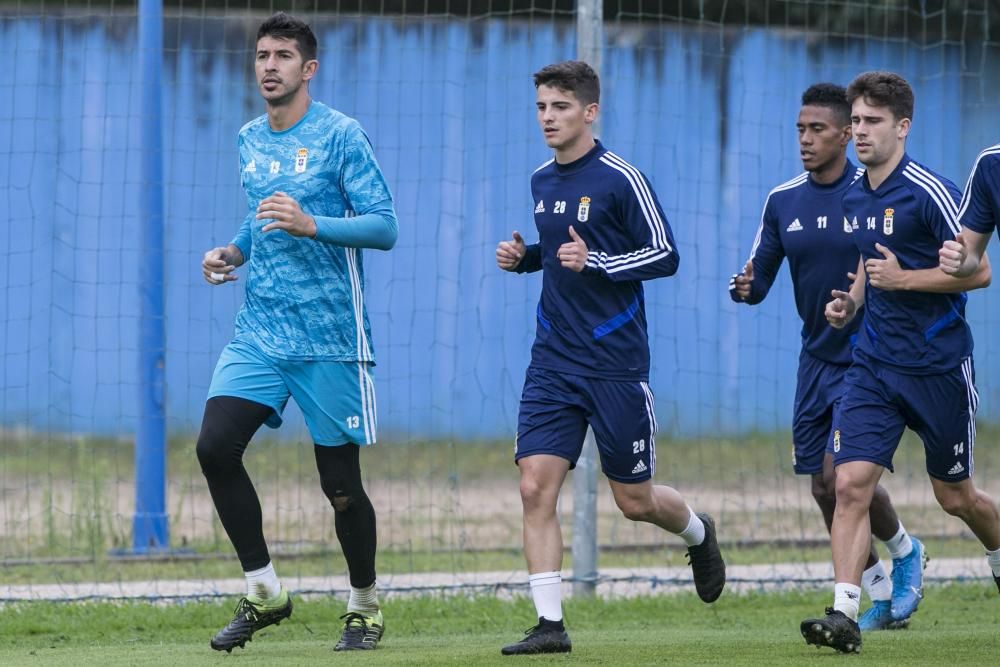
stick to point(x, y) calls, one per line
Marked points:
point(423, 513)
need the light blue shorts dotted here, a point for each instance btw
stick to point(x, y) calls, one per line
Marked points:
point(337, 398)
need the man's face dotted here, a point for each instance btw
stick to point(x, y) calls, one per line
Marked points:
point(280, 69)
point(563, 119)
point(821, 138)
point(877, 133)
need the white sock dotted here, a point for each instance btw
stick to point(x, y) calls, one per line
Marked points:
point(695, 532)
point(847, 599)
point(363, 600)
point(900, 545)
point(993, 558)
point(875, 580)
point(263, 584)
point(546, 591)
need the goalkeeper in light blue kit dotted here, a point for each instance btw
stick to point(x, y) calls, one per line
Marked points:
point(316, 198)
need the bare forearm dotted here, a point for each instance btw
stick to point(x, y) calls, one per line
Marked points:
point(976, 258)
point(962, 256)
point(936, 281)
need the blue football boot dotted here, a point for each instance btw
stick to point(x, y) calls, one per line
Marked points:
point(908, 581)
point(879, 617)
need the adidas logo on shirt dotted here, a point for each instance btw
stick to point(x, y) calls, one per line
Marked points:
point(957, 469)
point(796, 226)
point(541, 207)
point(639, 467)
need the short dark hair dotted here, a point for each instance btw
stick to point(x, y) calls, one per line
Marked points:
point(573, 76)
point(830, 96)
point(283, 26)
point(883, 89)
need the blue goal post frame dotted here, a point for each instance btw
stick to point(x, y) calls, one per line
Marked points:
point(150, 528)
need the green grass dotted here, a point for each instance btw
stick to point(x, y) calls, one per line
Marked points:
point(956, 624)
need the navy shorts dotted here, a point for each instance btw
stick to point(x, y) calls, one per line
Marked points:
point(879, 402)
point(818, 391)
point(557, 407)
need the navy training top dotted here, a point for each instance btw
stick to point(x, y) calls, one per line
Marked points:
point(804, 221)
point(593, 323)
point(912, 213)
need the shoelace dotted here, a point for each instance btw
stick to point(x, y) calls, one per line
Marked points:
point(354, 623)
point(532, 630)
point(691, 559)
point(245, 607)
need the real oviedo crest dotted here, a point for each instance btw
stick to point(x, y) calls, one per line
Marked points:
point(301, 160)
point(583, 210)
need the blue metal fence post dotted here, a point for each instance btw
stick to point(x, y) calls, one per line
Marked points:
point(150, 530)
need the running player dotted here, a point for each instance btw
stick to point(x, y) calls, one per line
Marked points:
point(601, 233)
point(803, 220)
point(316, 198)
point(913, 360)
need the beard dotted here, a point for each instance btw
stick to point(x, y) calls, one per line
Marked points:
point(277, 99)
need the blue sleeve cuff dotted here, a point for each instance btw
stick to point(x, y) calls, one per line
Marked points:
point(243, 240)
point(532, 260)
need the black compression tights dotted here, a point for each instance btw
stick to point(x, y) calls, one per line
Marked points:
point(354, 517)
point(228, 425)
point(226, 429)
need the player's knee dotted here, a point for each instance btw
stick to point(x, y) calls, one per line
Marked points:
point(340, 476)
point(343, 489)
point(341, 503)
point(955, 501)
point(531, 490)
point(633, 507)
point(634, 511)
point(226, 429)
point(215, 451)
point(341, 492)
point(851, 492)
point(535, 495)
point(955, 505)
